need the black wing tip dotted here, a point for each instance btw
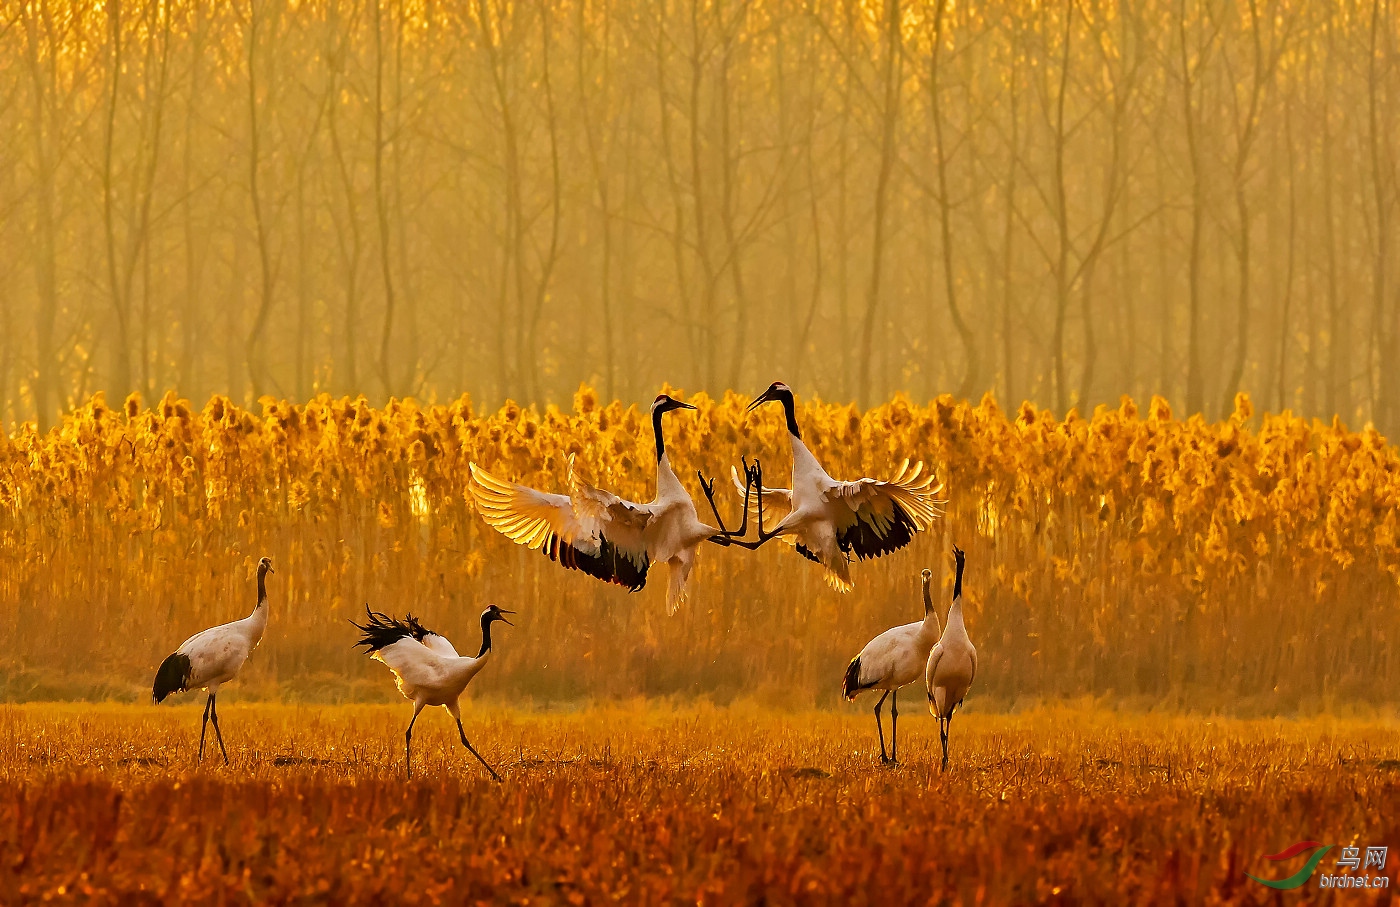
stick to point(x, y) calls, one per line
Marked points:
point(866, 543)
point(173, 676)
point(380, 630)
point(607, 565)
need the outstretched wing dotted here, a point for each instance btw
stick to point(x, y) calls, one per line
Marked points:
point(590, 530)
point(881, 517)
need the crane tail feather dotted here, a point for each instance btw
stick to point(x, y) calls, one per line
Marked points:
point(852, 686)
point(172, 677)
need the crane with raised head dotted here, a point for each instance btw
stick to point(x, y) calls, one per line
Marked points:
point(427, 669)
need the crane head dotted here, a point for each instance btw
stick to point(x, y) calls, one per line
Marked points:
point(664, 403)
point(777, 391)
point(265, 565)
point(959, 556)
point(927, 575)
point(495, 612)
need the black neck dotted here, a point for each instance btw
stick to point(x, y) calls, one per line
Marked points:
point(790, 409)
point(957, 583)
point(928, 600)
point(262, 585)
point(656, 415)
point(485, 635)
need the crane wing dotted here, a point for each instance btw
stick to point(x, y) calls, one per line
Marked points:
point(439, 645)
point(881, 517)
point(589, 529)
point(777, 502)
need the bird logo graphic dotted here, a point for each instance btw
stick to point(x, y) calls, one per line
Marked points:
point(1299, 878)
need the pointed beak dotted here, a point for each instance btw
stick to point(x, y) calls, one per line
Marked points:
point(503, 620)
point(759, 401)
point(680, 405)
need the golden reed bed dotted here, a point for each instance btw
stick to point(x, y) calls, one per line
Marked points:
point(1250, 562)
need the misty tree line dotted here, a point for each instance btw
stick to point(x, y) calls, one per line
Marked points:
point(1062, 202)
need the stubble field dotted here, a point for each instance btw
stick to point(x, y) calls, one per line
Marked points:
point(638, 804)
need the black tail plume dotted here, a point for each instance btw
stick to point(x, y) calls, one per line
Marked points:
point(381, 630)
point(173, 677)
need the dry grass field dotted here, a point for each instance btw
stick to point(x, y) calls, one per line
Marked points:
point(645, 804)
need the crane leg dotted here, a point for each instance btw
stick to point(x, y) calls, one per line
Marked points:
point(204, 726)
point(944, 725)
point(486, 764)
point(214, 717)
point(408, 741)
point(880, 728)
point(894, 727)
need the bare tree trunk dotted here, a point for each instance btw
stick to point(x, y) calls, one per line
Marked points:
point(194, 243)
point(1282, 374)
point(349, 252)
point(600, 180)
point(1062, 221)
point(47, 147)
point(257, 371)
point(1382, 332)
point(381, 207)
point(889, 118)
point(1244, 142)
point(121, 356)
point(1008, 235)
point(551, 256)
point(1195, 379)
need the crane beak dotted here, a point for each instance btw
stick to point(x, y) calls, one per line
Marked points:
point(503, 620)
point(759, 400)
point(680, 405)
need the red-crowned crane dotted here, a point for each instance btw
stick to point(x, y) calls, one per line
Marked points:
point(427, 669)
point(952, 664)
point(894, 659)
point(828, 520)
point(212, 658)
point(599, 533)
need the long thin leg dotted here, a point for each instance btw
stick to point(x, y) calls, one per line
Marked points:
point(894, 727)
point(463, 735)
point(947, 734)
point(943, 724)
point(214, 716)
point(408, 741)
point(204, 725)
point(880, 729)
point(756, 478)
point(726, 537)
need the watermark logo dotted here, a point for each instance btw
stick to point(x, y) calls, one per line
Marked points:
point(1350, 861)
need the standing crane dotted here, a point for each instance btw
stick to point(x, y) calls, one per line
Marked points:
point(427, 669)
point(210, 659)
point(828, 520)
point(601, 534)
point(952, 664)
point(893, 660)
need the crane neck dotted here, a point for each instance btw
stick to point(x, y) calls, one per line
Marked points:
point(790, 411)
point(262, 589)
point(656, 415)
point(931, 628)
point(957, 583)
point(485, 635)
point(955, 619)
